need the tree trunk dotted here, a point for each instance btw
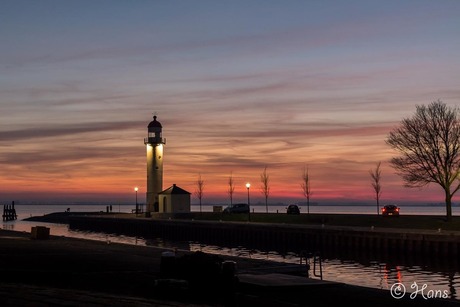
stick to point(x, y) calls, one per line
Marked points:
point(378, 207)
point(448, 205)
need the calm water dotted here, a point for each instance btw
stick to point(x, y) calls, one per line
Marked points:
point(437, 275)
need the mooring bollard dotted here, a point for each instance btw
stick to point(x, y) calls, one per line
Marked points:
point(167, 264)
point(40, 233)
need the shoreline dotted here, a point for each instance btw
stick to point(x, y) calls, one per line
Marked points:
point(70, 269)
point(400, 223)
point(147, 263)
point(326, 239)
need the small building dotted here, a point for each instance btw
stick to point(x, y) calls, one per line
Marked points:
point(174, 200)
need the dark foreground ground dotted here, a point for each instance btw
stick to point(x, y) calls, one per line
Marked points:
point(74, 272)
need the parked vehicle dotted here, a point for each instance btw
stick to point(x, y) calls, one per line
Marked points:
point(237, 208)
point(293, 209)
point(390, 210)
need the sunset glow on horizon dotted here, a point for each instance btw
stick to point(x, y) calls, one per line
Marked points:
point(237, 86)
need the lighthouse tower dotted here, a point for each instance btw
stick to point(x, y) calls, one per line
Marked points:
point(154, 145)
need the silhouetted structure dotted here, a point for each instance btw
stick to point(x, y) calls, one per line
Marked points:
point(9, 213)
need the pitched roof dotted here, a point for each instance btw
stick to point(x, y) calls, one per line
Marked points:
point(174, 189)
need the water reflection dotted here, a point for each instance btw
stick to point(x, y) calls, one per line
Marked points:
point(8, 226)
point(391, 274)
point(369, 273)
point(363, 269)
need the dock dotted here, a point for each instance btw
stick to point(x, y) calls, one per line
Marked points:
point(383, 243)
point(84, 272)
point(9, 213)
point(279, 281)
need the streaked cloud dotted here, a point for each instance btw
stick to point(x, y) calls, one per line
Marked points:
point(236, 90)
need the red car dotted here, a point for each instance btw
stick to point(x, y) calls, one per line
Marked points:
point(390, 210)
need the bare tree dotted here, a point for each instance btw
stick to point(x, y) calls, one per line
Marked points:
point(265, 188)
point(231, 188)
point(306, 187)
point(199, 192)
point(429, 148)
point(376, 175)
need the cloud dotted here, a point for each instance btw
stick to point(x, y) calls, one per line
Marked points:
point(30, 134)
point(323, 92)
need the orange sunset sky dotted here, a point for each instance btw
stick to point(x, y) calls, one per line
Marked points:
point(237, 86)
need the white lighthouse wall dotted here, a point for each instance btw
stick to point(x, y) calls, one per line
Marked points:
point(154, 174)
point(174, 203)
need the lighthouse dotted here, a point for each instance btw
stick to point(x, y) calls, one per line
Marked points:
point(154, 144)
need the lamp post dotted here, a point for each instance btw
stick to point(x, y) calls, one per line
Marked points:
point(248, 185)
point(137, 207)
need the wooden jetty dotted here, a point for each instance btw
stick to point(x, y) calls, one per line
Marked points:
point(9, 213)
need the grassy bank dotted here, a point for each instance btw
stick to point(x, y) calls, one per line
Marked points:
point(426, 222)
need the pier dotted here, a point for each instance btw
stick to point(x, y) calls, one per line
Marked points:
point(85, 272)
point(9, 212)
point(385, 243)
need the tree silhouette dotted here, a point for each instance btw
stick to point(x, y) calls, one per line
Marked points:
point(429, 148)
point(376, 176)
point(199, 192)
point(265, 188)
point(231, 188)
point(306, 187)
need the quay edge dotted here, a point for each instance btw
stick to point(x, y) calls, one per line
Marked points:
point(282, 237)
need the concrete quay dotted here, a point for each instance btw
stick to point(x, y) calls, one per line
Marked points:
point(62, 271)
point(283, 237)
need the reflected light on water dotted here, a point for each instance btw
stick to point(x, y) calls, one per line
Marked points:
point(62, 230)
point(375, 274)
point(372, 274)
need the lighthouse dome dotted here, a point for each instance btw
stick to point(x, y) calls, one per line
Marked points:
point(154, 123)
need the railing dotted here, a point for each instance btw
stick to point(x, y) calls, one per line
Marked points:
point(154, 140)
point(316, 258)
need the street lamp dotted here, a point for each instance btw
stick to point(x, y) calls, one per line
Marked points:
point(137, 207)
point(248, 185)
